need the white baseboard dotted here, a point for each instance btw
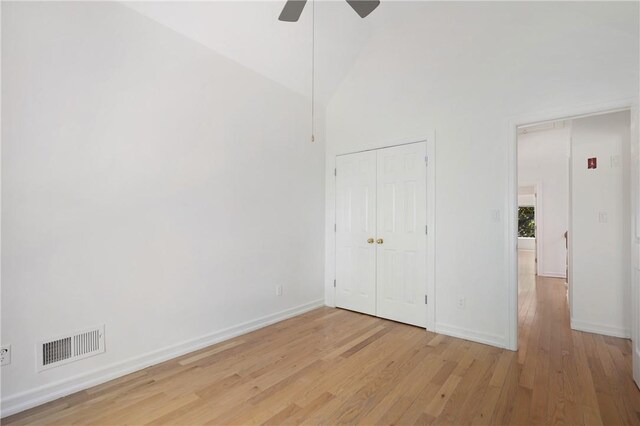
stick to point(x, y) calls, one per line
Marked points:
point(607, 330)
point(472, 335)
point(553, 275)
point(19, 402)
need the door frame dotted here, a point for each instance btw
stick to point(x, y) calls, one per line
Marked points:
point(430, 286)
point(511, 206)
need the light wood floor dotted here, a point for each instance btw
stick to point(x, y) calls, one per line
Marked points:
point(332, 366)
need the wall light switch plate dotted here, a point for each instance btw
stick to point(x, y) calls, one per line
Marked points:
point(5, 355)
point(279, 290)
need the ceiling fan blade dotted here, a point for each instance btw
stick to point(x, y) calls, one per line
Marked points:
point(292, 10)
point(363, 7)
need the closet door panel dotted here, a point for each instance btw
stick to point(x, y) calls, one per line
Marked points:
point(401, 234)
point(355, 232)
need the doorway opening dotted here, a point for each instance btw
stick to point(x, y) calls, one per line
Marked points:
point(575, 225)
point(543, 221)
point(523, 123)
point(574, 221)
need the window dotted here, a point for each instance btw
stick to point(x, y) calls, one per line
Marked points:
point(526, 222)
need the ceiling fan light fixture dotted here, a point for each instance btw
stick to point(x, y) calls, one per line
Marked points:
point(363, 7)
point(292, 10)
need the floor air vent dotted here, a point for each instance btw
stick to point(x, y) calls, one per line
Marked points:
point(69, 348)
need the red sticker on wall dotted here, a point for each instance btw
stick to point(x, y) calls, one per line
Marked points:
point(592, 163)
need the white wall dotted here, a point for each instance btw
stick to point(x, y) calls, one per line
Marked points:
point(150, 184)
point(543, 160)
point(601, 225)
point(465, 70)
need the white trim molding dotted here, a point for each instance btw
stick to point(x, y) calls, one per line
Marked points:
point(471, 335)
point(607, 330)
point(553, 274)
point(19, 402)
point(431, 234)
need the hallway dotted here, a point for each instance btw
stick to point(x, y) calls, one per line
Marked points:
point(568, 374)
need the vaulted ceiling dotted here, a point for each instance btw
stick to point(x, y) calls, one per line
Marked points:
point(250, 33)
point(452, 33)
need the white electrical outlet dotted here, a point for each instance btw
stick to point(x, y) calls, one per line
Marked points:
point(460, 302)
point(279, 290)
point(5, 355)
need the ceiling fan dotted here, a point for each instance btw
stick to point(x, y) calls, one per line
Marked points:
point(293, 8)
point(291, 13)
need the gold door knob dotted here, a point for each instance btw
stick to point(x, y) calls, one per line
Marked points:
point(380, 241)
point(370, 241)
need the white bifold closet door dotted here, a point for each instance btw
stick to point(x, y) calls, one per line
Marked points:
point(381, 233)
